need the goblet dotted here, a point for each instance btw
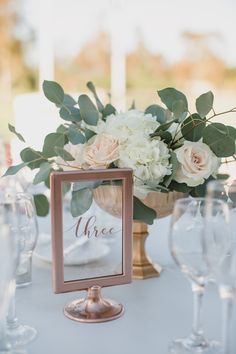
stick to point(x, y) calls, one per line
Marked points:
point(192, 219)
point(23, 231)
point(225, 273)
point(8, 262)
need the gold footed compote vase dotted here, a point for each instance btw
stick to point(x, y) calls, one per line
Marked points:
point(109, 199)
point(163, 204)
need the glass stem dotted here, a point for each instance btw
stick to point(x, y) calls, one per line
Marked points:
point(12, 320)
point(4, 345)
point(197, 333)
point(227, 304)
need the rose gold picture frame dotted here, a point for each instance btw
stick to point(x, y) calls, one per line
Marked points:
point(57, 179)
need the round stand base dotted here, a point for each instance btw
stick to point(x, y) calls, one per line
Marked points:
point(20, 335)
point(180, 346)
point(94, 308)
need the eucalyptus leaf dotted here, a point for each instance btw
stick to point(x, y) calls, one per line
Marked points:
point(170, 95)
point(13, 130)
point(71, 114)
point(164, 135)
point(53, 92)
point(157, 111)
point(142, 212)
point(108, 110)
point(179, 110)
point(66, 186)
point(75, 136)
point(88, 111)
point(221, 139)
point(62, 129)
point(51, 141)
point(81, 201)
point(69, 100)
point(77, 186)
point(92, 88)
point(133, 106)
point(162, 127)
point(175, 164)
point(12, 170)
point(204, 103)
point(43, 173)
point(65, 155)
point(32, 157)
point(41, 204)
point(192, 127)
point(88, 133)
point(179, 187)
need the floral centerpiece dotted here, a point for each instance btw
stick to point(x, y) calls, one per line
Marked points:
point(168, 147)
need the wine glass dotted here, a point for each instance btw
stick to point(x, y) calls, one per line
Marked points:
point(25, 233)
point(226, 191)
point(192, 219)
point(8, 263)
point(225, 273)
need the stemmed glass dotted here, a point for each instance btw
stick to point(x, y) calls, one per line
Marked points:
point(8, 263)
point(22, 223)
point(225, 273)
point(192, 219)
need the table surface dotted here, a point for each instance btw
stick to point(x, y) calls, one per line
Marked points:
point(157, 310)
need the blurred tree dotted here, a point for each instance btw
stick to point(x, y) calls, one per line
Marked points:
point(15, 75)
point(200, 62)
point(91, 63)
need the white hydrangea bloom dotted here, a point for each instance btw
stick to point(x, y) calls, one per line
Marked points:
point(148, 158)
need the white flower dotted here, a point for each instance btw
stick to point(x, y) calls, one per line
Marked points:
point(76, 152)
point(197, 163)
point(148, 158)
point(133, 124)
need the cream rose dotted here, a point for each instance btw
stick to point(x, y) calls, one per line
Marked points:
point(197, 163)
point(102, 151)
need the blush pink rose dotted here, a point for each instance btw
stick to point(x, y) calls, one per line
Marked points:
point(103, 150)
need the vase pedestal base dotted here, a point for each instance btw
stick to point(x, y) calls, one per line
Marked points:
point(145, 271)
point(143, 268)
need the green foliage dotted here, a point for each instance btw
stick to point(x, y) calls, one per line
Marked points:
point(43, 173)
point(51, 141)
point(71, 114)
point(76, 116)
point(204, 103)
point(88, 133)
point(142, 212)
point(91, 87)
point(81, 201)
point(12, 170)
point(179, 109)
point(220, 138)
point(108, 110)
point(174, 100)
point(65, 155)
point(192, 127)
point(164, 135)
point(157, 111)
point(54, 92)
point(175, 164)
point(88, 111)
point(41, 204)
point(75, 136)
point(13, 130)
point(179, 187)
point(69, 101)
point(66, 186)
point(32, 157)
point(62, 129)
